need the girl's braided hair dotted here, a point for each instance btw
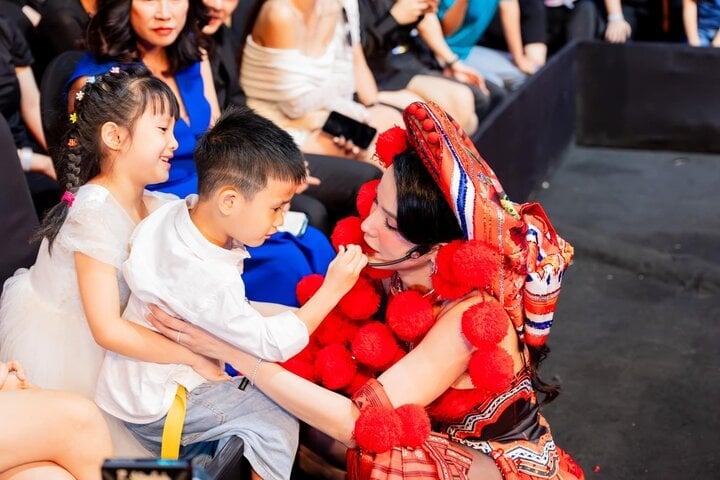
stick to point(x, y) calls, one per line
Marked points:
point(120, 96)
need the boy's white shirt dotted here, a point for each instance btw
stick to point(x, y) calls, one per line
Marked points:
point(173, 266)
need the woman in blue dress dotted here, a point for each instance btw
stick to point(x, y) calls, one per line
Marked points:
point(165, 35)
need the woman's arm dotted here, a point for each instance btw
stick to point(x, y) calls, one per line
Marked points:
point(101, 301)
point(30, 104)
point(509, 11)
point(690, 22)
point(367, 89)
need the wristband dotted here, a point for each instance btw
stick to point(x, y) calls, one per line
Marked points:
point(451, 62)
point(615, 17)
point(26, 154)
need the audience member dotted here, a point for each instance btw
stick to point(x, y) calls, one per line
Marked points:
point(164, 35)
point(20, 105)
point(46, 434)
point(702, 22)
point(465, 21)
point(62, 27)
point(248, 169)
point(408, 55)
point(60, 316)
point(570, 20)
point(301, 61)
point(471, 363)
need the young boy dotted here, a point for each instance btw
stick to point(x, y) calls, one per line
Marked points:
point(187, 258)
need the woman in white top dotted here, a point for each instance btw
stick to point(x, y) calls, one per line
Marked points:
point(303, 60)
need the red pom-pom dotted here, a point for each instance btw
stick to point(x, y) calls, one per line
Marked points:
point(335, 366)
point(491, 368)
point(300, 367)
point(374, 345)
point(361, 302)
point(365, 197)
point(358, 381)
point(347, 231)
point(377, 429)
point(415, 425)
point(390, 143)
point(409, 315)
point(444, 281)
point(485, 322)
point(335, 328)
point(476, 263)
point(307, 286)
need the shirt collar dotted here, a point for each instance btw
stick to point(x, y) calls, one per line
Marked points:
point(201, 246)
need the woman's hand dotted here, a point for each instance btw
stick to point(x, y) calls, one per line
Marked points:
point(309, 180)
point(463, 73)
point(187, 334)
point(618, 30)
point(12, 376)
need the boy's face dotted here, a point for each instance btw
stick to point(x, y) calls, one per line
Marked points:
point(251, 222)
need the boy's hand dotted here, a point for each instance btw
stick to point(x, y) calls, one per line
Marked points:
point(345, 268)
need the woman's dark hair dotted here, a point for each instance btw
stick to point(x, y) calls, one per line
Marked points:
point(110, 37)
point(121, 96)
point(424, 217)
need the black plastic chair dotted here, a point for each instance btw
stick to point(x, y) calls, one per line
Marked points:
point(17, 212)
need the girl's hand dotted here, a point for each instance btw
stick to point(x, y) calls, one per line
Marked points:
point(345, 268)
point(210, 369)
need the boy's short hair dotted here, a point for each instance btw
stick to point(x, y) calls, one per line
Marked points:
point(244, 149)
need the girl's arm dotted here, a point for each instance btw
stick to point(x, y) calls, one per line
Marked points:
point(101, 301)
point(30, 103)
point(690, 22)
point(509, 11)
point(367, 89)
point(618, 30)
point(209, 88)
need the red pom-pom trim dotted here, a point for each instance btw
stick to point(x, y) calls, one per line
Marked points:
point(475, 263)
point(485, 322)
point(307, 286)
point(365, 197)
point(491, 369)
point(361, 302)
point(377, 429)
point(335, 367)
point(415, 425)
point(335, 328)
point(347, 231)
point(455, 403)
point(409, 315)
point(444, 281)
point(300, 367)
point(390, 143)
point(374, 345)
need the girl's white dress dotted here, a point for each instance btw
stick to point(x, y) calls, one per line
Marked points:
point(42, 322)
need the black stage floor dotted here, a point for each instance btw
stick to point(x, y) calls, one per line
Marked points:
point(635, 342)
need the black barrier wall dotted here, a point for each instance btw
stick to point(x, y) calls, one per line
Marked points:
point(524, 137)
point(648, 96)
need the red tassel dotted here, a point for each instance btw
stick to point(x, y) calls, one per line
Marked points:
point(307, 286)
point(415, 425)
point(366, 197)
point(377, 429)
point(491, 369)
point(389, 144)
point(409, 315)
point(485, 322)
point(335, 366)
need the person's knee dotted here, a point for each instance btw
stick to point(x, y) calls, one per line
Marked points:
point(83, 417)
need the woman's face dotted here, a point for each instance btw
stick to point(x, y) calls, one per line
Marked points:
point(158, 23)
point(380, 227)
point(219, 12)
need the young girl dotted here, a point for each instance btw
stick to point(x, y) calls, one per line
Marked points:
point(58, 317)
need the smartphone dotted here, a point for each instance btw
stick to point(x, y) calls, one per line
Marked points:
point(339, 125)
point(151, 468)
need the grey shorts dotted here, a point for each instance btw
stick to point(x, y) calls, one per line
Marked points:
point(218, 410)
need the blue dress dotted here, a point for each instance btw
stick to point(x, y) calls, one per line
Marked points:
point(183, 177)
point(274, 269)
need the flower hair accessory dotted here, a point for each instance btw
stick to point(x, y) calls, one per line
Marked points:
point(73, 117)
point(115, 70)
point(79, 95)
point(68, 198)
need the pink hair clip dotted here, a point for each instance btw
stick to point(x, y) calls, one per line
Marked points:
point(68, 198)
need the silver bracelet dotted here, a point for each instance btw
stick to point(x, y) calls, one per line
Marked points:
point(26, 154)
point(255, 371)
